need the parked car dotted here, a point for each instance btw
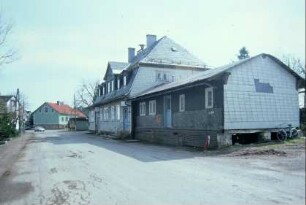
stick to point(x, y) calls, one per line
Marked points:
point(39, 129)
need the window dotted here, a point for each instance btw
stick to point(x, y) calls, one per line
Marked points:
point(108, 87)
point(118, 112)
point(105, 113)
point(124, 80)
point(118, 83)
point(209, 98)
point(113, 87)
point(112, 112)
point(142, 109)
point(46, 109)
point(63, 119)
point(66, 119)
point(158, 76)
point(152, 107)
point(103, 90)
point(182, 103)
point(52, 109)
point(163, 76)
point(101, 114)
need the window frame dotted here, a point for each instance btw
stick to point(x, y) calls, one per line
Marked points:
point(108, 87)
point(112, 112)
point(152, 107)
point(124, 80)
point(182, 101)
point(105, 113)
point(207, 91)
point(118, 112)
point(142, 109)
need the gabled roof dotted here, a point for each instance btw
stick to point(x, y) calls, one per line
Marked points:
point(6, 98)
point(164, 52)
point(213, 73)
point(65, 109)
point(115, 68)
point(167, 52)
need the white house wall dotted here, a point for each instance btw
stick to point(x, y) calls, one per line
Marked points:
point(244, 108)
point(146, 77)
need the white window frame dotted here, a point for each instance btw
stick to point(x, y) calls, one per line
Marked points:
point(207, 91)
point(152, 107)
point(118, 112)
point(182, 103)
point(142, 108)
point(124, 80)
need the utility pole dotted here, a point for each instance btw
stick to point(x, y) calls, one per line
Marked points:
point(18, 121)
point(74, 107)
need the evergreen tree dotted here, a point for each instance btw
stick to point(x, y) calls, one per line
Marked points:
point(243, 53)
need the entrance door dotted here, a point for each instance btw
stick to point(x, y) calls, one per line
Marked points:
point(167, 111)
point(126, 120)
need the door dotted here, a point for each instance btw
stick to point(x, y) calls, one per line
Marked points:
point(126, 119)
point(167, 111)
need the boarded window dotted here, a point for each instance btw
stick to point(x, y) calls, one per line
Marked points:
point(209, 98)
point(152, 107)
point(142, 109)
point(182, 103)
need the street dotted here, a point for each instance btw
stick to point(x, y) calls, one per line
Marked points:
point(60, 167)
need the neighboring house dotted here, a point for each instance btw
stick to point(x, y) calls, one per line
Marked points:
point(54, 115)
point(9, 103)
point(256, 95)
point(78, 124)
point(162, 61)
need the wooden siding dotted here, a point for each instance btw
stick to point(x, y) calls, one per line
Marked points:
point(190, 127)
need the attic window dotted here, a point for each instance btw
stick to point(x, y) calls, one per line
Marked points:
point(173, 49)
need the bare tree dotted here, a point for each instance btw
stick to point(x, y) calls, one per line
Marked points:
point(298, 66)
point(7, 54)
point(86, 93)
point(294, 63)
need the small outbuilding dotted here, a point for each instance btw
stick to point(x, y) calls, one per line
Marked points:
point(258, 95)
point(78, 124)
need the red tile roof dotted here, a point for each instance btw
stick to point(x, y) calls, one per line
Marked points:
point(66, 109)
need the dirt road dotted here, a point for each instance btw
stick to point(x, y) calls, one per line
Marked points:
point(76, 168)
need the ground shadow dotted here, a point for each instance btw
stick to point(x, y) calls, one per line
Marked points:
point(138, 150)
point(10, 190)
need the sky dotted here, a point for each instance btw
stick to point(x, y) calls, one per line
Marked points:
point(61, 44)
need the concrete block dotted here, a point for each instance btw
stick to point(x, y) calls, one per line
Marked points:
point(224, 140)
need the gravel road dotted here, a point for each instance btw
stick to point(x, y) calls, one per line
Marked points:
point(58, 167)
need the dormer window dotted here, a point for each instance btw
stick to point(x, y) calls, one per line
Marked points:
point(124, 80)
point(108, 87)
point(118, 83)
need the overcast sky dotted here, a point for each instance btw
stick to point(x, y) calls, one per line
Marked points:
point(63, 43)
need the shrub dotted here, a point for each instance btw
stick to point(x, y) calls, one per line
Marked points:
point(7, 129)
